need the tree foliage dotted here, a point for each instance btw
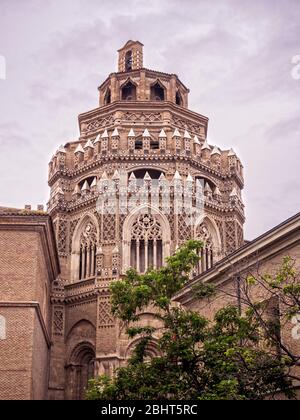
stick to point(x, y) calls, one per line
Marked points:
point(199, 359)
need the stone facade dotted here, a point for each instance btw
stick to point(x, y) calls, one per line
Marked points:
point(140, 141)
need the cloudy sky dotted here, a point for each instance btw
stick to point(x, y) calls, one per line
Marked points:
point(234, 55)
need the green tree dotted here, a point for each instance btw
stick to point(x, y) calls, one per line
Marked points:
point(199, 359)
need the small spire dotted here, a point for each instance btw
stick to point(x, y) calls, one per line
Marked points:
point(132, 177)
point(61, 149)
point(216, 151)
point(217, 192)
point(116, 175)
point(60, 191)
point(116, 250)
point(162, 134)
point(97, 139)
point(104, 176)
point(79, 149)
point(177, 176)
point(186, 135)
point(205, 146)
point(176, 133)
point(162, 177)
point(85, 186)
point(207, 188)
point(199, 184)
point(231, 153)
point(196, 140)
point(189, 178)
point(147, 177)
point(115, 133)
point(131, 133)
point(105, 135)
point(146, 133)
point(99, 250)
point(234, 193)
point(76, 190)
point(94, 183)
point(89, 144)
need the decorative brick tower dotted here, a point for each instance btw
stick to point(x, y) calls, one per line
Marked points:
point(142, 137)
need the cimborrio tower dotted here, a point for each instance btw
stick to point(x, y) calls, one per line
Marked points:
point(141, 138)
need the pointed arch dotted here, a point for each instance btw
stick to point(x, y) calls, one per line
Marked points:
point(107, 97)
point(80, 368)
point(178, 98)
point(77, 327)
point(128, 90)
point(207, 231)
point(84, 248)
point(146, 238)
point(157, 91)
point(152, 349)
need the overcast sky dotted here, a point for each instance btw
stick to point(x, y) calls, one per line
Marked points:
point(234, 55)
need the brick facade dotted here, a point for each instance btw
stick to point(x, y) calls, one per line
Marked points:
point(28, 265)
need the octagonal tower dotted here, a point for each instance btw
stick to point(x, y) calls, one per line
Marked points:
point(141, 138)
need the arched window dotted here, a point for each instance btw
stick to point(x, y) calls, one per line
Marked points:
point(128, 61)
point(157, 92)
point(129, 92)
point(210, 253)
point(88, 250)
point(179, 98)
point(146, 243)
point(2, 328)
point(151, 350)
point(107, 98)
point(206, 253)
point(146, 238)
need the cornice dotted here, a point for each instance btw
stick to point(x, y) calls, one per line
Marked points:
point(137, 72)
point(34, 305)
point(131, 158)
point(138, 106)
point(271, 243)
point(41, 224)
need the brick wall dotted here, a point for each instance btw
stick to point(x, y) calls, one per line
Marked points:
point(16, 353)
point(25, 304)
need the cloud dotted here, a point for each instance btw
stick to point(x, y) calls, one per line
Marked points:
point(236, 60)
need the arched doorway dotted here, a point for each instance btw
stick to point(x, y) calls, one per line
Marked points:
point(79, 371)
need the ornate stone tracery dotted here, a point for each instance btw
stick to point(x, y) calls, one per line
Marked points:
point(146, 243)
point(88, 251)
point(84, 248)
point(146, 239)
point(209, 234)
